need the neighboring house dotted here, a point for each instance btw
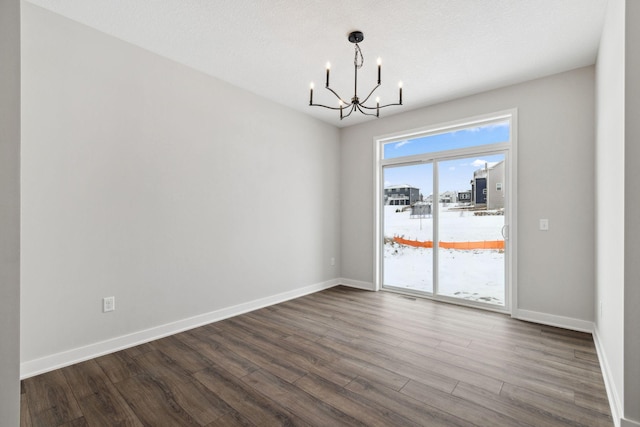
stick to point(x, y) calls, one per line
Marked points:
point(487, 186)
point(464, 196)
point(404, 195)
point(448, 197)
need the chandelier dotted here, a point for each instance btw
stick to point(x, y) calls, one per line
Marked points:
point(346, 108)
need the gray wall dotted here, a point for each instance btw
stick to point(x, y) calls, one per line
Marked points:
point(9, 212)
point(555, 161)
point(613, 185)
point(617, 206)
point(610, 192)
point(631, 212)
point(171, 190)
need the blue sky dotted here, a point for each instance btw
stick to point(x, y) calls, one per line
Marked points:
point(454, 174)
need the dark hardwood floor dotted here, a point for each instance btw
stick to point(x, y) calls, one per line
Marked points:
point(337, 357)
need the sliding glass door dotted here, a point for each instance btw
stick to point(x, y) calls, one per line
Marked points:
point(471, 256)
point(444, 216)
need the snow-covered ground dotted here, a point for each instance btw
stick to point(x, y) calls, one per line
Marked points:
point(469, 274)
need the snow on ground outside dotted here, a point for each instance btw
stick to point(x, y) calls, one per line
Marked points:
point(476, 275)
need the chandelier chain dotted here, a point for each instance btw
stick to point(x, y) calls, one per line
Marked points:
point(358, 61)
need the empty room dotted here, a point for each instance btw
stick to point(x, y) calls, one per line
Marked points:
point(219, 213)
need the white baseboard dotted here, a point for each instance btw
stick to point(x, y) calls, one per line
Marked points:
point(554, 320)
point(34, 367)
point(614, 400)
point(367, 286)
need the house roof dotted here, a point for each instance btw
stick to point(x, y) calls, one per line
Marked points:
point(400, 186)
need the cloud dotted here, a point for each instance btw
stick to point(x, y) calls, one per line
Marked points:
point(472, 130)
point(402, 143)
point(452, 168)
point(504, 124)
point(387, 183)
point(480, 163)
point(490, 126)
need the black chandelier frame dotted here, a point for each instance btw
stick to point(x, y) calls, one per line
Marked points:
point(356, 37)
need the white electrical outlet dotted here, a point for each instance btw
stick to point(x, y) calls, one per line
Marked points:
point(544, 224)
point(108, 304)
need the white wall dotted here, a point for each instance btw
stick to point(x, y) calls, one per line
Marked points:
point(9, 212)
point(172, 191)
point(610, 196)
point(555, 179)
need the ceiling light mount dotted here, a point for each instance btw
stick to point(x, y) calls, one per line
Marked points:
point(356, 37)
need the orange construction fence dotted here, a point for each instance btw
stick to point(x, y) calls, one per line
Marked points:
point(484, 244)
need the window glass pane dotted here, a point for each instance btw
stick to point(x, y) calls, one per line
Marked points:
point(461, 138)
point(471, 246)
point(408, 227)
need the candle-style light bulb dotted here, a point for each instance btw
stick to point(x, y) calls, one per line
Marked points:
point(311, 93)
point(328, 68)
point(379, 67)
point(341, 105)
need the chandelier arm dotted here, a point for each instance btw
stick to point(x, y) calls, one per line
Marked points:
point(376, 107)
point(390, 105)
point(337, 96)
point(369, 108)
point(364, 112)
point(370, 93)
point(353, 108)
point(326, 106)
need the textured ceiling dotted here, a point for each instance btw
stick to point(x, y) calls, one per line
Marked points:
point(439, 49)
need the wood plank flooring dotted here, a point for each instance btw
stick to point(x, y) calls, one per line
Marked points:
point(337, 357)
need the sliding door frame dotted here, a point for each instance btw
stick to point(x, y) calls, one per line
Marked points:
point(509, 149)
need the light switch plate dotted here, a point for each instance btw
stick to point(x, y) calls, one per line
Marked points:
point(108, 304)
